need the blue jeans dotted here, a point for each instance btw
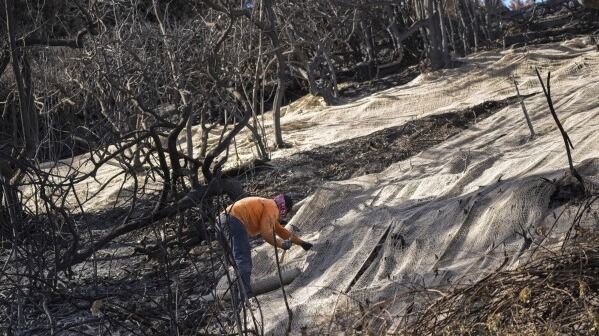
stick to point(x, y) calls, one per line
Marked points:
point(238, 241)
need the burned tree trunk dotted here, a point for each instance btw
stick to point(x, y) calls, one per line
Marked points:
point(443, 31)
point(436, 39)
point(281, 73)
point(22, 75)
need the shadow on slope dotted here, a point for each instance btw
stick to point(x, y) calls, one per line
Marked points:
point(300, 174)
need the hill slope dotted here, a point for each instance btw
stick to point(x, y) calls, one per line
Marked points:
point(456, 211)
point(447, 216)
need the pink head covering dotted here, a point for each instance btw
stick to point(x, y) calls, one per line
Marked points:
point(280, 201)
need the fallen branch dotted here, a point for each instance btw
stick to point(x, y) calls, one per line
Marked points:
point(193, 198)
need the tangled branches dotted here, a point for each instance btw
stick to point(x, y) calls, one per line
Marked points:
point(555, 293)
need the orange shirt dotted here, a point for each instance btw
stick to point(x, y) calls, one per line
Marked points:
point(259, 216)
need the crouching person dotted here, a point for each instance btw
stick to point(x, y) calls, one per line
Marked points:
point(249, 217)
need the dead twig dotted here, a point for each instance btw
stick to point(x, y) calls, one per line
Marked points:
point(567, 141)
point(289, 312)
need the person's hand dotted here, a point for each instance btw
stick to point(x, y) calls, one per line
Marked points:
point(286, 244)
point(306, 246)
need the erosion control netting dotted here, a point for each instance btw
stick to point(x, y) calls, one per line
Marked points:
point(373, 242)
point(452, 214)
point(484, 76)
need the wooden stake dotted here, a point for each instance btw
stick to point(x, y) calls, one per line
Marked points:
point(532, 131)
